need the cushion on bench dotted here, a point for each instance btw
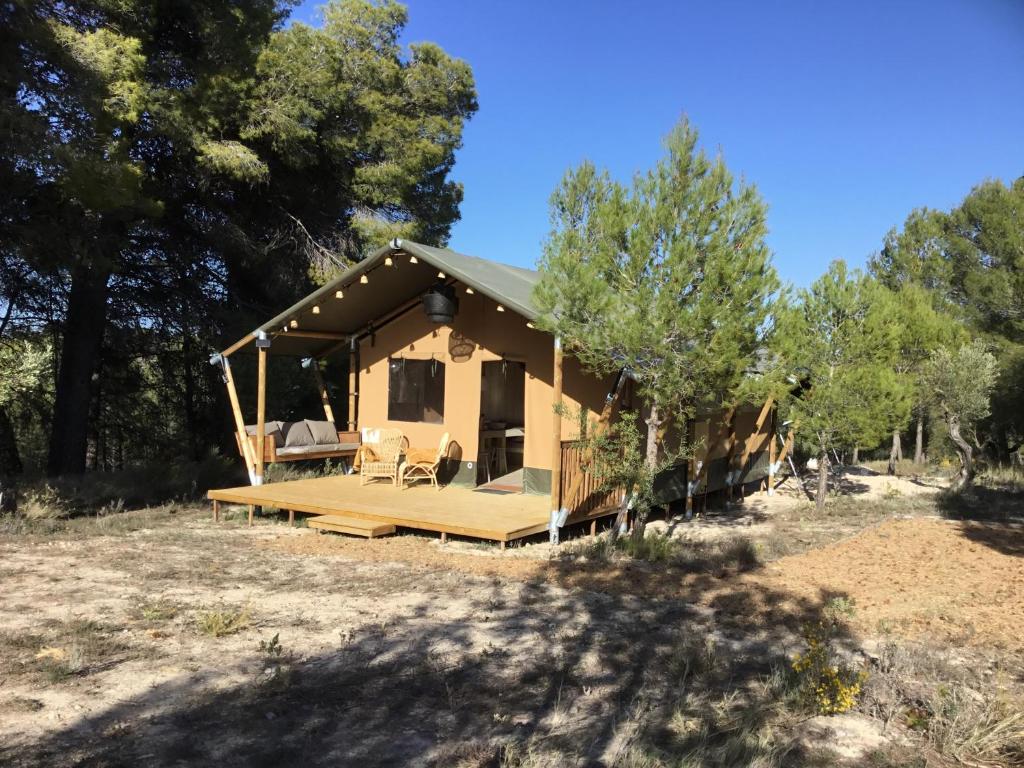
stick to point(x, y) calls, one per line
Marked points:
point(269, 428)
point(323, 432)
point(296, 434)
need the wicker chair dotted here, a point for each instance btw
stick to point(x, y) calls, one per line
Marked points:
point(381, 459)
point(423, 468)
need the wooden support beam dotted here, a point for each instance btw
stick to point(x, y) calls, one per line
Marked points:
point(291, 517)
point(353, 385)
point(691, 486)
point(788, 445)
point(261, 411)
point(296, 333)
point(325, 398)
point(730, 455)
point(216, 511)
point(236, 410)
point(762, 417)
point(556, 429)
point(771, 457)
point(252, 511)
point(244, 341)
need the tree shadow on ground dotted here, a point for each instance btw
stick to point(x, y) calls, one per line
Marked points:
point(578, 666)
point(990, 516)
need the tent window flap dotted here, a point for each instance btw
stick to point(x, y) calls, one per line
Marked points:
point(416, 390)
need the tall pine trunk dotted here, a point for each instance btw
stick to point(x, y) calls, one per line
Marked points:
point(819, 498)
point(10, 459)
point(651, 460)
point(919, 440)
point(895, 453)
point(963, 448)
point(80, 351)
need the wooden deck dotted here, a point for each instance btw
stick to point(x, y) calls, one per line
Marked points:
point(451, 510)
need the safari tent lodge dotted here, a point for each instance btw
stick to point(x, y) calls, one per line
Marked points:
point(450, 381)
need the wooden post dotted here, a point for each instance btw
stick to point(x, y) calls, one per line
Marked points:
point(691, 475)
point(444, 537)
point(772, 452)
point(556, 438)
point(263, 347)
point(730, 455)
point(353, 385)
point(291, 517)
point(762, 417)
point(325, 399)
point(236, 410)
point(252, 510)
point(216, 511)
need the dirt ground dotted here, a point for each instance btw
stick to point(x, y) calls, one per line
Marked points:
point(159, 638)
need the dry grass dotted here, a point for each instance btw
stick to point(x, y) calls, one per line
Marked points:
point(75, 647)
point(222, 621)
point(955, 712)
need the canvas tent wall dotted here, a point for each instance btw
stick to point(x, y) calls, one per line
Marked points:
point(373, 312)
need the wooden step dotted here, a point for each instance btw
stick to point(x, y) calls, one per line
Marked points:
point(350, 525)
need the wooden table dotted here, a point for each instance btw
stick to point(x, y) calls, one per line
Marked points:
point(500, 436)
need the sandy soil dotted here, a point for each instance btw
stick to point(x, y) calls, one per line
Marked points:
point(400, 651)
point(960, 582)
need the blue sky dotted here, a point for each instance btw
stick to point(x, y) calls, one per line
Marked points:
point(845, 115)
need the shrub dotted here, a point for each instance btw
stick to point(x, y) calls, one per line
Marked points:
point(220, 622)
point(824, 683)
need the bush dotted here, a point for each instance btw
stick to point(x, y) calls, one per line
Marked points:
point(824, 683)
point(220, 622)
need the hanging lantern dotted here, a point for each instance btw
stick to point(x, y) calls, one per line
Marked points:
point(440, 303)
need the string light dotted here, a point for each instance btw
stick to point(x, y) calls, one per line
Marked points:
point(468, 289)
point(316, 310)
point(413, 260)
point(441, 275)
point(339, 294)
point(388, 262)
point(364, 279)
point(501, 308)
point(294, 323)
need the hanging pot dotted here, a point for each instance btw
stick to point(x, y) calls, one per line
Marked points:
point(440, 303)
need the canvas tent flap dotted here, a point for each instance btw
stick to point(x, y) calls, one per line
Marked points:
point(388, 289)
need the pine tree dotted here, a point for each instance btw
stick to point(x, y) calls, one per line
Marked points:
point(670, 278)
point(840, 342)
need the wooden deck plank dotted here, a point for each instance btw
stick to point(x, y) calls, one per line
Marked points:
point(351, 525)
point(451, 510)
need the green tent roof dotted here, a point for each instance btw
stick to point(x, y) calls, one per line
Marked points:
point(387, 289)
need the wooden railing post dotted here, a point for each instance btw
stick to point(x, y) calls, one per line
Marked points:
point(353, 385)
point(262, 349)
point(556, 442)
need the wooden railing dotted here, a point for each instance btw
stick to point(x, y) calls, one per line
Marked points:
point(588, 498)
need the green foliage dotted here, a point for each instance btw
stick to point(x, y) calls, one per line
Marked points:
point(23, 364)
point(960, 381)
point(840, 340)
point(825, 684)
point(960, 384)
point(670, 278)
point(173, 171)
